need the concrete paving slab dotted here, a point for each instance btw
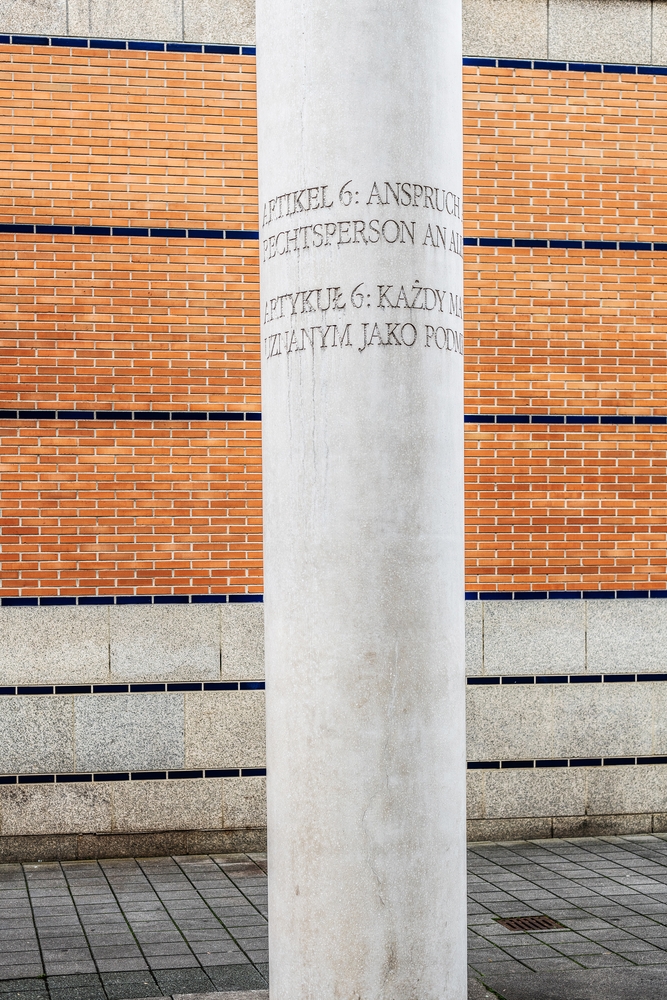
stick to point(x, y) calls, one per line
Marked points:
point(584, 984)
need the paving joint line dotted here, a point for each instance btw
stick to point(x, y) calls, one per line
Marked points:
point(221, 921)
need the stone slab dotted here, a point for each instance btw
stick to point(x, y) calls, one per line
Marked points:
point(534, 637)
point(244, 802)
point(587, 984)
point(54, 645)
point(511, 28)
point(165, 642)
point(532, 793)
point(36, 734)
point(474, 638)
point(160, 19)
point(29, 17)
point(225, 729)
point(600, 30)
point(242, 641)
point(129, 732)
point(224, 21)
point(627, 636)
point(147, 806)
point(64, 809)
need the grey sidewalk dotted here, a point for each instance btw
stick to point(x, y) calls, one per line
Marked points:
point(129, 929)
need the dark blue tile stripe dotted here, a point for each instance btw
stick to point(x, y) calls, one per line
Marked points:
point(113, 688)
point(159, 233)
point(571, 67)
point(506, 241)
point(139, 45)
point(497, 765)
point(118, 599)
point(144, 45)
point(565, 679)
point(166, 775)
point(187, 415)
point(560, 595)
point(569, 419)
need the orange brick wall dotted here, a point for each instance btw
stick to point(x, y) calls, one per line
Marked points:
point(566, 508)
point(565, 331)
point(124, 323)
point(565, 154)
point(144, 139)
point(100, 135)
point(133, 508)
point(107, 137)
point(555, 155)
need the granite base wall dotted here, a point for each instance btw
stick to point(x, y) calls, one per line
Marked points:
point(88, 846)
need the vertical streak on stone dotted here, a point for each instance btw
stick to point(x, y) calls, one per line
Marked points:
point(362, 343)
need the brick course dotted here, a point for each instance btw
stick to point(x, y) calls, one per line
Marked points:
point(129, 137)
point(114, 322)
point(133, 508)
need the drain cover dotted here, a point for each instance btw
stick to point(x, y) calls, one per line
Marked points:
point(537, 923)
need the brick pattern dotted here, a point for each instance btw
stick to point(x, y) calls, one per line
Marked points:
point(566, 154)
point(565, 509)
point(131, 508)
point(124, 323)
point(565, 332)
point(129, 137)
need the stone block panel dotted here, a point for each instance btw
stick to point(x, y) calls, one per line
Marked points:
point(157, 19)
point(534, 637)
point(230, 21)
point(242, 641)
point(627, 636)
point(512, 28)
point(54, 645)
point(165, 642)
point(36, 735)
point(225, 729)
point(142, 806)
point(612, 31)
point(129, 732)
point(135, 807)
point(29, 810)
point(33, 17)
point(547, 721)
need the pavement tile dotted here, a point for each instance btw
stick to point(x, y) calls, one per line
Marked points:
point(127, 985)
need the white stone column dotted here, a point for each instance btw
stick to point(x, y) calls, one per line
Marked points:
point(362, 344)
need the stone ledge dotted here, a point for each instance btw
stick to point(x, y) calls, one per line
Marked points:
point(90, 846)
point(548, 827)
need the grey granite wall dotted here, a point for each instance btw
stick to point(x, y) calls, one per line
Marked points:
point(70, 733)
point(78, 734)
point(617, 31)
point(620, 31)
point(224, 21)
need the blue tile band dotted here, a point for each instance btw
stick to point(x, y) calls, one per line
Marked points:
point(564, 679)
point(118, 599)
point(556, 66)
point(113, 688)
point(569, 419)
point(162, 232)
point(64, 41)
point(187, 415)
point(60, 779)
point(504, 765)
point(144, 45)
point(506, 241)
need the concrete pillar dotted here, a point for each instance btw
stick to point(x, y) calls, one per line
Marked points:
point(362, 343)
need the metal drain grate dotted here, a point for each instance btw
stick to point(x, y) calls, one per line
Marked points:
point(539, 922)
